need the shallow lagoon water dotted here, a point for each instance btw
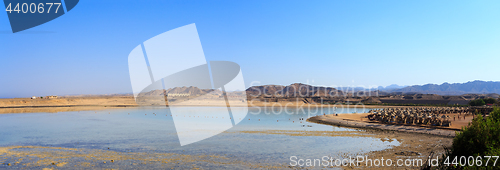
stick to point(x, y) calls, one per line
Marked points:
point(139, 130)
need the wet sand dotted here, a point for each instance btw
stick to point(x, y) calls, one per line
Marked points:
point(38, 157)
point(411, 146)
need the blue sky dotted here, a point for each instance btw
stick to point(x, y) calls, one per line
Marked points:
point(332, 43)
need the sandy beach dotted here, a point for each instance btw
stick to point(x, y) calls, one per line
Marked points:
point(28, 105)
point(416, 142)
point(360, 120)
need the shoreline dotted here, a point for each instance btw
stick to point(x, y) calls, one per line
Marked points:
point(351, 123)
point(28, 105)
point(413, 144)
point(65, 108)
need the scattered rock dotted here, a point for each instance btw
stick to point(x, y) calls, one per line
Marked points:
point(112, 160)
point(407, 153)
point(104, 162)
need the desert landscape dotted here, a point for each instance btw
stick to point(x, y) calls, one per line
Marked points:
point(249, 84)
point(409, 125)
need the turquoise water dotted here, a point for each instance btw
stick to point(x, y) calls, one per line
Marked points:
point(139, 130)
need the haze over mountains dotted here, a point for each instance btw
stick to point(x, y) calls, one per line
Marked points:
point(471, 87)
point(390, 87)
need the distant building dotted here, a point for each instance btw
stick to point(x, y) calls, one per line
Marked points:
point(34, 97)
point(51, 97)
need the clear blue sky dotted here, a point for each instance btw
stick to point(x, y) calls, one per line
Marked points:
point(330, 42)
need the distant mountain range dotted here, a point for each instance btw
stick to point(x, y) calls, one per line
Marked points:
point(304, 90)
point(380, 88)
point(390, 87)
point(472, 87)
